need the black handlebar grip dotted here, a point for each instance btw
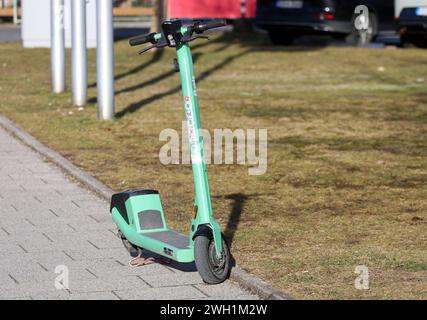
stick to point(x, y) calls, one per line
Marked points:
point(201, 27)
point(145, 38)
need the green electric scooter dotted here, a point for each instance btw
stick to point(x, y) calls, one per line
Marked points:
point(139, 215)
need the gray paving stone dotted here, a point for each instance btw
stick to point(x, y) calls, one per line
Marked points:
point(48, 259)
point(35, 294)
point(47, 220)
point(17, 298)
point(10, 248)
point(39, 277)
point(94, 296)
point(165, 293)
point(115, 269)
point(64, 295)
point(171, 279)
point(7, 280)
point(92, 254)
point(121, 271)
point(96, 285)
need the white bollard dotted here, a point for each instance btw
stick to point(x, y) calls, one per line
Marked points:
point(15, 12)
point(105, 59)
point(79, 52)
point(57, 53)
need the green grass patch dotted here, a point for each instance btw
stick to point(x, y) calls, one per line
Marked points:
point(346, 183)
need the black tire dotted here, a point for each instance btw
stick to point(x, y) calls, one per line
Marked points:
point(354, 37)
point(211, 269)
point(133, 250)
point(420, 42)
point(282, 37)
point(339, 36)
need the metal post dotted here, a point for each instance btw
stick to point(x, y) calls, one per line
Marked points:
point(15, 12)
point(57, 38)
point(105, 59)
point(79, 52)
point(160, 14)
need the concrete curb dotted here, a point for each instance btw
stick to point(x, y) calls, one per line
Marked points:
point(243, 278)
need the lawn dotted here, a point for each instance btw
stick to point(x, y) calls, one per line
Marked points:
point(346, 183)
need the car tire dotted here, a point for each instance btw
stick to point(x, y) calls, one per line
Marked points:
point(282, 37)
point(419, 42)
point(339, 36)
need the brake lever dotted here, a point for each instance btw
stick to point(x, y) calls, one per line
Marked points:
point(151, 47)
point(146, 49)
point(198, 37)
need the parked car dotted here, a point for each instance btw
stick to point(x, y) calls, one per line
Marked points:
point(412, 17)
point(286, 20)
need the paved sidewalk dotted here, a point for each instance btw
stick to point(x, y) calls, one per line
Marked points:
point(49, 221)
point(10, 33)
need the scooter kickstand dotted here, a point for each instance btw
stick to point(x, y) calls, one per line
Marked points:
point(133, 263)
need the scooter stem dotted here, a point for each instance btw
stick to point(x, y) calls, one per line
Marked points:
point(195, 136)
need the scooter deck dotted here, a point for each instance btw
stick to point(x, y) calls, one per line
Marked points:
point(170, 237)
point(165, 242)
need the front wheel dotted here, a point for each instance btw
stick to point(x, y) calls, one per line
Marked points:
point(212, 269)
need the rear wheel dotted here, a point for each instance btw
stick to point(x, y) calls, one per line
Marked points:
point(211, 268)
point(282, 37)
point(133, 250)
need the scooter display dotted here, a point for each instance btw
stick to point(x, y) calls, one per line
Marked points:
point(139, 214)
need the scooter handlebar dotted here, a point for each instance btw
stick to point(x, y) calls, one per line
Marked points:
point(201, 27)
point(145, 38)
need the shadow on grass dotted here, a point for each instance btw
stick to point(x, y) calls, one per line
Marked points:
point(154, 58)
point(248, 40)
point(138, 105)
point(390, 144)
point(152, 81)
point(238, 203)
point(163, 76)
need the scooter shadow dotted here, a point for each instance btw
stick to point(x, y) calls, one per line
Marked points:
point(169, 263)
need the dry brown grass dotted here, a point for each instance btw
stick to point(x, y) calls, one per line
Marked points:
point(347, 173)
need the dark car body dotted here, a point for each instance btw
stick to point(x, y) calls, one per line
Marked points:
point(320, 16)
point(413, 26)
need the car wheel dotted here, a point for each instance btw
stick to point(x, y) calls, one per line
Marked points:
point(282, 37)
point(420, 42)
